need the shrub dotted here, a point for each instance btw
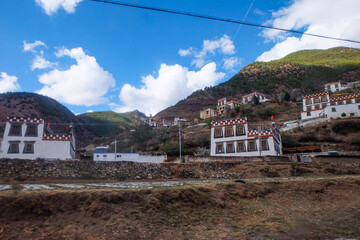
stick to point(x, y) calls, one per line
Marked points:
point(343, 114)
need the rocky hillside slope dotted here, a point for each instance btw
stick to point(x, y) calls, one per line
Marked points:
point(299, 73)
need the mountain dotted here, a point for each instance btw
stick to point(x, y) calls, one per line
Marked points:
point(109, 123)
point(299, 73)
point(33, 105)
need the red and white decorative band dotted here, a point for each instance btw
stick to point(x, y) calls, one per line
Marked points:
point(229, 122)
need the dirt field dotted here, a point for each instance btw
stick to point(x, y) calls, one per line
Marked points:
point(300, 209)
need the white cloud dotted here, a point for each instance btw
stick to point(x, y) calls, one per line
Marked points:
point(39, 62)
point(84, 83)
point(185, 52)
point(224, 45)
point(8, 83)
point(30, 47)
point(231, 63)
point(89, 111)
point(172, 84)
point(52, 6)
point(339, 19)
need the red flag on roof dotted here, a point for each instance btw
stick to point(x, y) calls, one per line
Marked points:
point(272, 117)
point(48, 124)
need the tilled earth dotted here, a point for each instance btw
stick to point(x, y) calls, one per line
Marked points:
point(298, 208)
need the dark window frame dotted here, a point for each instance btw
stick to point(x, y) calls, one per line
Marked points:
point(12, 143)
point(232, 131)
point(228, 144)
point(221, 130)
point(242, 126)
point(267, 144)
point(222, 148)
point(28, 125)
point(249, 148)
point(12, 125)
point(237, 146)
point(32, 143)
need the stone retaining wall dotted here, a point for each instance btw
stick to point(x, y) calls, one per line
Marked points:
point(45, 169)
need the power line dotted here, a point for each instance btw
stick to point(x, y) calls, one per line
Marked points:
point(220, 19)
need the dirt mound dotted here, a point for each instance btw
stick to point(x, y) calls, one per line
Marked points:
point(315, 209)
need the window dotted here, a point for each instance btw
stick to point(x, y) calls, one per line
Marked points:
point(358, 107)
point(31, 130)
point(308, 114)
point(230, 147)
point(229, 131)
point(357, 100)
point(333, 109)
point(219, 148)
point(308, 109)
point(241, 147)
point(15, 130)
point(308, 101)
point(332, 103)
point(340, 103)
point(218, 132)
point(251, 146)
point(97, 155)
point(316, 100)
point(264, 144)
point(352, 114)
point(324, 99)
point(104, 155)
point(323, 106)
point(29, 147)
point(118, 155)
point(14, 147)
point(240, 130)
point(349, 101)
point(317, 107)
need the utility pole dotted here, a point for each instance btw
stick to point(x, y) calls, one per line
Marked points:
point(115, 150)
point(180, 139)
point(259, 129)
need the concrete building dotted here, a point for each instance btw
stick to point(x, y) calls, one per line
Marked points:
point(103, 154)
point(24, 138)
point(233, 138)
point(250, 97)
point(314, 105)
point(208, 113)
point(334, 87)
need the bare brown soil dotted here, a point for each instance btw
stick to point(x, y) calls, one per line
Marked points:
point(306, 209)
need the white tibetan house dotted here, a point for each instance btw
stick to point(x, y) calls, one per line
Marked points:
point(233, 138)
point(103, 154)
point(321, 106)
point(24, 138)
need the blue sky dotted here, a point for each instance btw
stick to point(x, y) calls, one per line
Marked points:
point(94, 57)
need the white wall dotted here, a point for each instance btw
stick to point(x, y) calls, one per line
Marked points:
point(313, 114)
point(131, 157)
point(340, 109)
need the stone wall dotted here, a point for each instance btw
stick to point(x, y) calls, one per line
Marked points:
point(44, 169)
point(195, 159)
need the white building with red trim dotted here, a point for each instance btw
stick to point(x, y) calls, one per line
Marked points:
point(250, 97)
point(24, 138)
point(314, 105)
point(233, 138)
point(322, 106)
